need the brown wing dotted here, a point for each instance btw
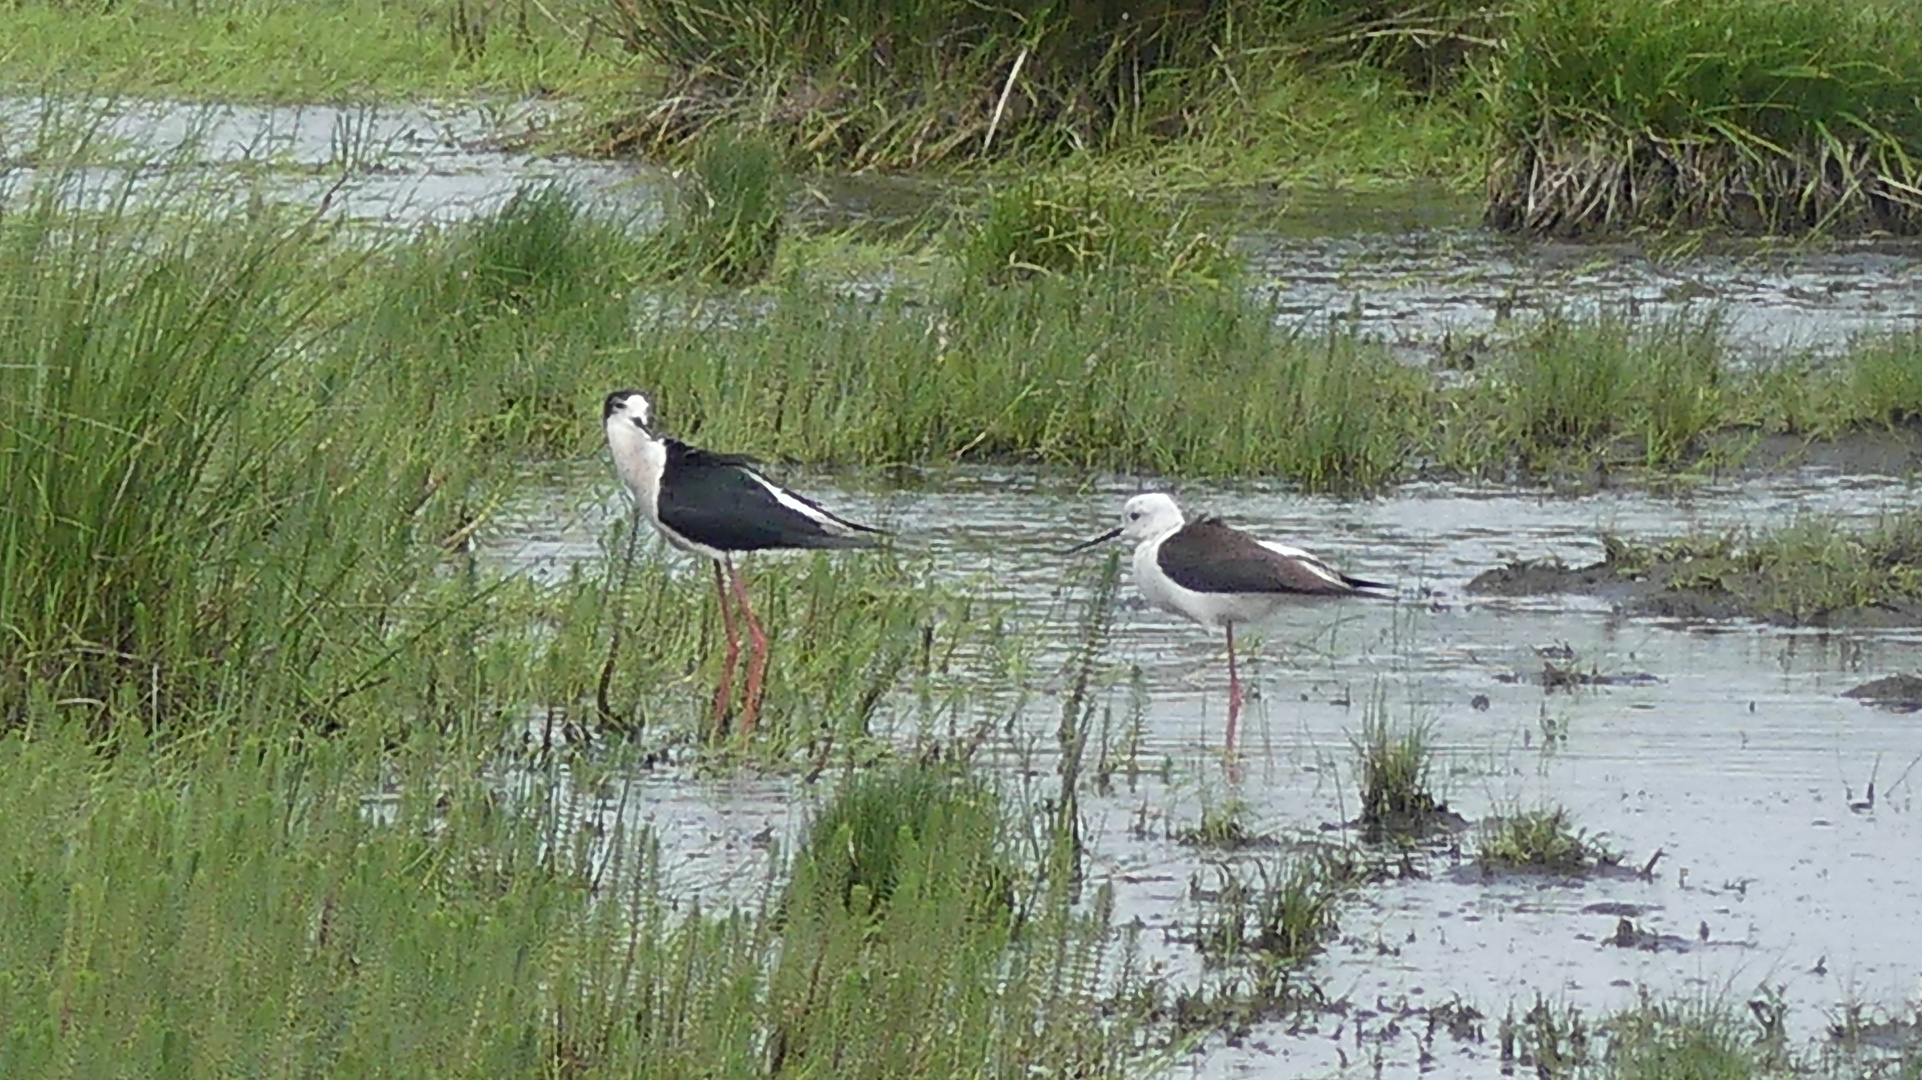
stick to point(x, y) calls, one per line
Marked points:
point(1207, 556)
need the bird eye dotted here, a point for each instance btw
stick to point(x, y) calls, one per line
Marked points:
point(1134, 515)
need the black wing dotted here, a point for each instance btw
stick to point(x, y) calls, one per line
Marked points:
point(720, 501)
point(1209, 557)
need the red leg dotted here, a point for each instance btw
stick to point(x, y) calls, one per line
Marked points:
point(724, 692)
point(756, 657)
point(1234, 691)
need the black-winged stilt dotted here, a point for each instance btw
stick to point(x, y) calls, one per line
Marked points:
point(717, 506)
point(1217, 575)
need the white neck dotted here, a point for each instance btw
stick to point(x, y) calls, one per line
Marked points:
point(639, 460)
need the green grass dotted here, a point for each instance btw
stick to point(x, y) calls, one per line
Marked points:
point(1804, 572)
point(1541, 839)
point(323, 50)
point(1276, 917)
point(1038, 227)
point(1776, 116)
point(1394, 765)
point(237, 903)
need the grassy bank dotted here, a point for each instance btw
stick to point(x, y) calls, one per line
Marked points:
point(328, 50)
point(1105, 336)
point(1756, 116)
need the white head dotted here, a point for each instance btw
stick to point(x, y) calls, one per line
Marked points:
point(639, 455)
point(1147, 516)
point(630, 406)
point(1144, 517)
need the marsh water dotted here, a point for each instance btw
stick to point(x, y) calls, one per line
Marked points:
point(1725, 746)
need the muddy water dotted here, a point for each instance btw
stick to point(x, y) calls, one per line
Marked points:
point(1737, 757)
point(1415, 269)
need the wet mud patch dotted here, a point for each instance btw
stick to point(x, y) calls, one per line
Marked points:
point(1812, 573)
point(1900, 693)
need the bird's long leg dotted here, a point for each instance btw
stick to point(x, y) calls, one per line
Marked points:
point(756, 657)
point(724, 692)
point(1234, 691)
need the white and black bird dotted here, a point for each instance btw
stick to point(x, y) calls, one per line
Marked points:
point(1218, 575)
point(718, 506)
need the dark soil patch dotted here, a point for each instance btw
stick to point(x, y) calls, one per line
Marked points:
point(1678, 590)
point(1902, 693)
point(1863, 451)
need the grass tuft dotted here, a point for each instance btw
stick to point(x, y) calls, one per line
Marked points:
point(1539, 840)
point(727, 222)
point(1395, 765)
point(1277, 919)
point(1043, 227)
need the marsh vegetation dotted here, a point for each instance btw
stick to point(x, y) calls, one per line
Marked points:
point(305, 776)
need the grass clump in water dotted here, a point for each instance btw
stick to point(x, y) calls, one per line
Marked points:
point(727, 222)
point(1770, 116)
point(906, 882)
point(1884, 379)
point(1810, 572)
point(1089, 372)
point(1570, 392)
point(1049, 227)
point(1279, 918)
point(1541, 839)
point(1395, 765)
point(189, 520)
point(880, 829)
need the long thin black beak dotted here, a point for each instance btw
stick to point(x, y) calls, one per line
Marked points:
point(1102, 539)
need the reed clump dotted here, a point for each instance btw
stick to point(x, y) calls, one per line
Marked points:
point(1755, 116)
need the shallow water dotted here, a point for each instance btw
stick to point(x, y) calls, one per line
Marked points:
point(1414, 269)
point(1738, 760)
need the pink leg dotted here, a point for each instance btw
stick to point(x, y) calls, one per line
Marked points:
point(756, 657)
point(1234, 691)
point(724, 692)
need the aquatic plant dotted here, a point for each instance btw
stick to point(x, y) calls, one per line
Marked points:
point(1884, 379)
point(1681, 1040)
point(1772, 116)
point(1054, 227)
point(1542, 839)
point(1279, 917)
point(188, 519)
point(726, 223)
point(1394, 764)
point(906, 881)
point(1808, 572)
point(1566, 392)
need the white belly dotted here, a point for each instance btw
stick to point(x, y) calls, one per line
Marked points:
point(1208, 609)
